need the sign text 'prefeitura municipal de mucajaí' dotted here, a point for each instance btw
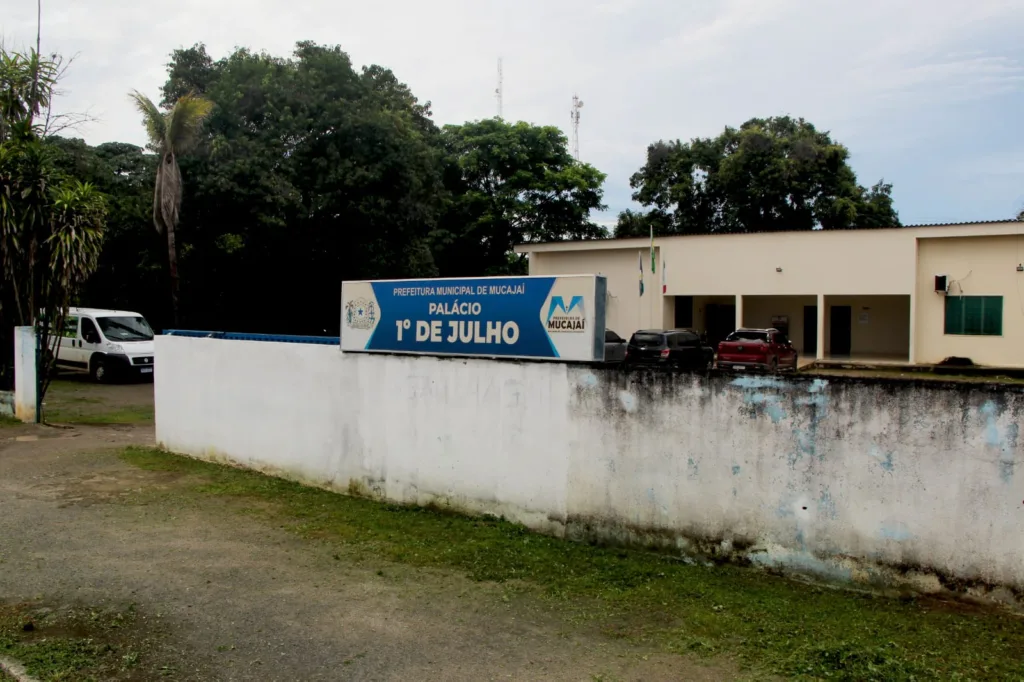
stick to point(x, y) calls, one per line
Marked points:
point(553, 318)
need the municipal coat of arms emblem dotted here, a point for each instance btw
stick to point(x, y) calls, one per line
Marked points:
point(360, 314)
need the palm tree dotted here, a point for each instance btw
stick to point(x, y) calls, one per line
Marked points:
point(171, 133)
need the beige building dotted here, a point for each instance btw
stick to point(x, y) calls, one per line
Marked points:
point(874, 295)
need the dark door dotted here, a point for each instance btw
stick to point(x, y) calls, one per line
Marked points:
point(684, 312)
point(839, 329)
point(721, 321)
point(811, 330)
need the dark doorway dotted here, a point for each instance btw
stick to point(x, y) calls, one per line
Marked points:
point(839, 329)
point(720, 322)
point(684, 312)
point(811, 330)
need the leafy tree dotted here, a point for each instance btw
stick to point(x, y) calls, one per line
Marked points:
point(308, 172)
point(770, 174)
point(191, 71)
point(171, 134)
point(51, 225)
point(511, 183)
point(637, 224)
point(132, 270)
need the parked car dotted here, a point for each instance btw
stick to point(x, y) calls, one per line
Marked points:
point(676, 348)
point(105, 343)
point(614, 347)
point(762, 349)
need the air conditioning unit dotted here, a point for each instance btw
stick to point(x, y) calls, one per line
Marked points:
point(940, 284)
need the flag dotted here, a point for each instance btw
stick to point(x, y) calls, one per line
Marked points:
point(653, 262)
point(664, 286)
point(640, 258)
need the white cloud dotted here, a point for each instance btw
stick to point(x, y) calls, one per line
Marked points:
point(880, 74)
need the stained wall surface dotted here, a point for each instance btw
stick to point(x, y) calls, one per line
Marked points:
point(854, 480)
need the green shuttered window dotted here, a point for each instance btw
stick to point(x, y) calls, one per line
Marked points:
point(974, 315)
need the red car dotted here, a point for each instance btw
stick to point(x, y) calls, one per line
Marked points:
point(764, 349)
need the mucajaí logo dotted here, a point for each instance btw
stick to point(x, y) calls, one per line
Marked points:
point(566, 319)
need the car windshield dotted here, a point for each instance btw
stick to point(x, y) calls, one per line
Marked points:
point(125, 328)
point(647, 339)
point(748, 335)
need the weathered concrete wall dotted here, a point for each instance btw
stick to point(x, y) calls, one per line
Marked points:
point(885, 482)
point(25, 374)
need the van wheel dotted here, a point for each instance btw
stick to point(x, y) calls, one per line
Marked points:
point(99, 371)
point(774, 366)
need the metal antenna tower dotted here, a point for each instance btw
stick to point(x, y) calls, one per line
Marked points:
point(574, 116)
point(499, 91)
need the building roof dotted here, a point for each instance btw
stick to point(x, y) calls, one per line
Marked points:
point(962, 229)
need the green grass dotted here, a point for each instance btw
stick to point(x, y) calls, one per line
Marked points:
point(79, 645)
point(775, 626)
point(73, 402)
point(67, 414)
point(7, 422)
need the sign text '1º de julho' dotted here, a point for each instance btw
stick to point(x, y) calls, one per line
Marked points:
point(528, 317)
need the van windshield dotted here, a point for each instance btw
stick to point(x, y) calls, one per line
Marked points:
point(125, 328)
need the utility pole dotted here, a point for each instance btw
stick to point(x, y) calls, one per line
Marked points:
point(574, 116)
point(499, 91)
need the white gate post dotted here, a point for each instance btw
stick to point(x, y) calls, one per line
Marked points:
point(25, 385)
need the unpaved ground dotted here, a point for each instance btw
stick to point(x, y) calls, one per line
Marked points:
point(225, 596)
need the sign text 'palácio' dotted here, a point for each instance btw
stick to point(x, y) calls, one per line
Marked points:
point(528, 317)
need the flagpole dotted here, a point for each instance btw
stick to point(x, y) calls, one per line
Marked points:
point(640, 294)
point(654, 268)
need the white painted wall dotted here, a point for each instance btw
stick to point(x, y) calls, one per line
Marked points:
point(25, 374)
point(411, 429)
point(852, 480)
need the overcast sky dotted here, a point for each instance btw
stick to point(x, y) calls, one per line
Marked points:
point(928, 94)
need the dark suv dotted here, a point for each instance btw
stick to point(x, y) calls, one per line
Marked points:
point(676, 348)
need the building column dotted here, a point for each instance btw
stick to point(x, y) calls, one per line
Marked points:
point(739, 311)
point(912, 353)
point(821, 327)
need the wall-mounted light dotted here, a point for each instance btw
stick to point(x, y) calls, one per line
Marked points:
point(1020, 268)
point(778, 269)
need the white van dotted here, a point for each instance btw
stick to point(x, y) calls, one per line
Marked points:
point(106, 343)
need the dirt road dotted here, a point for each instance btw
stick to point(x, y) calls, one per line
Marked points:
point(226, 596)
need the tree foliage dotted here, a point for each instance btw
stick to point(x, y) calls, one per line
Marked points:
point(308, 171)
point(511, 184)
point(51, 223)
point(768, 175)
point(132, 270)
point(171, 134)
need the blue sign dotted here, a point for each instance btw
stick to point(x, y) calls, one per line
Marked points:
point(535, 317)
